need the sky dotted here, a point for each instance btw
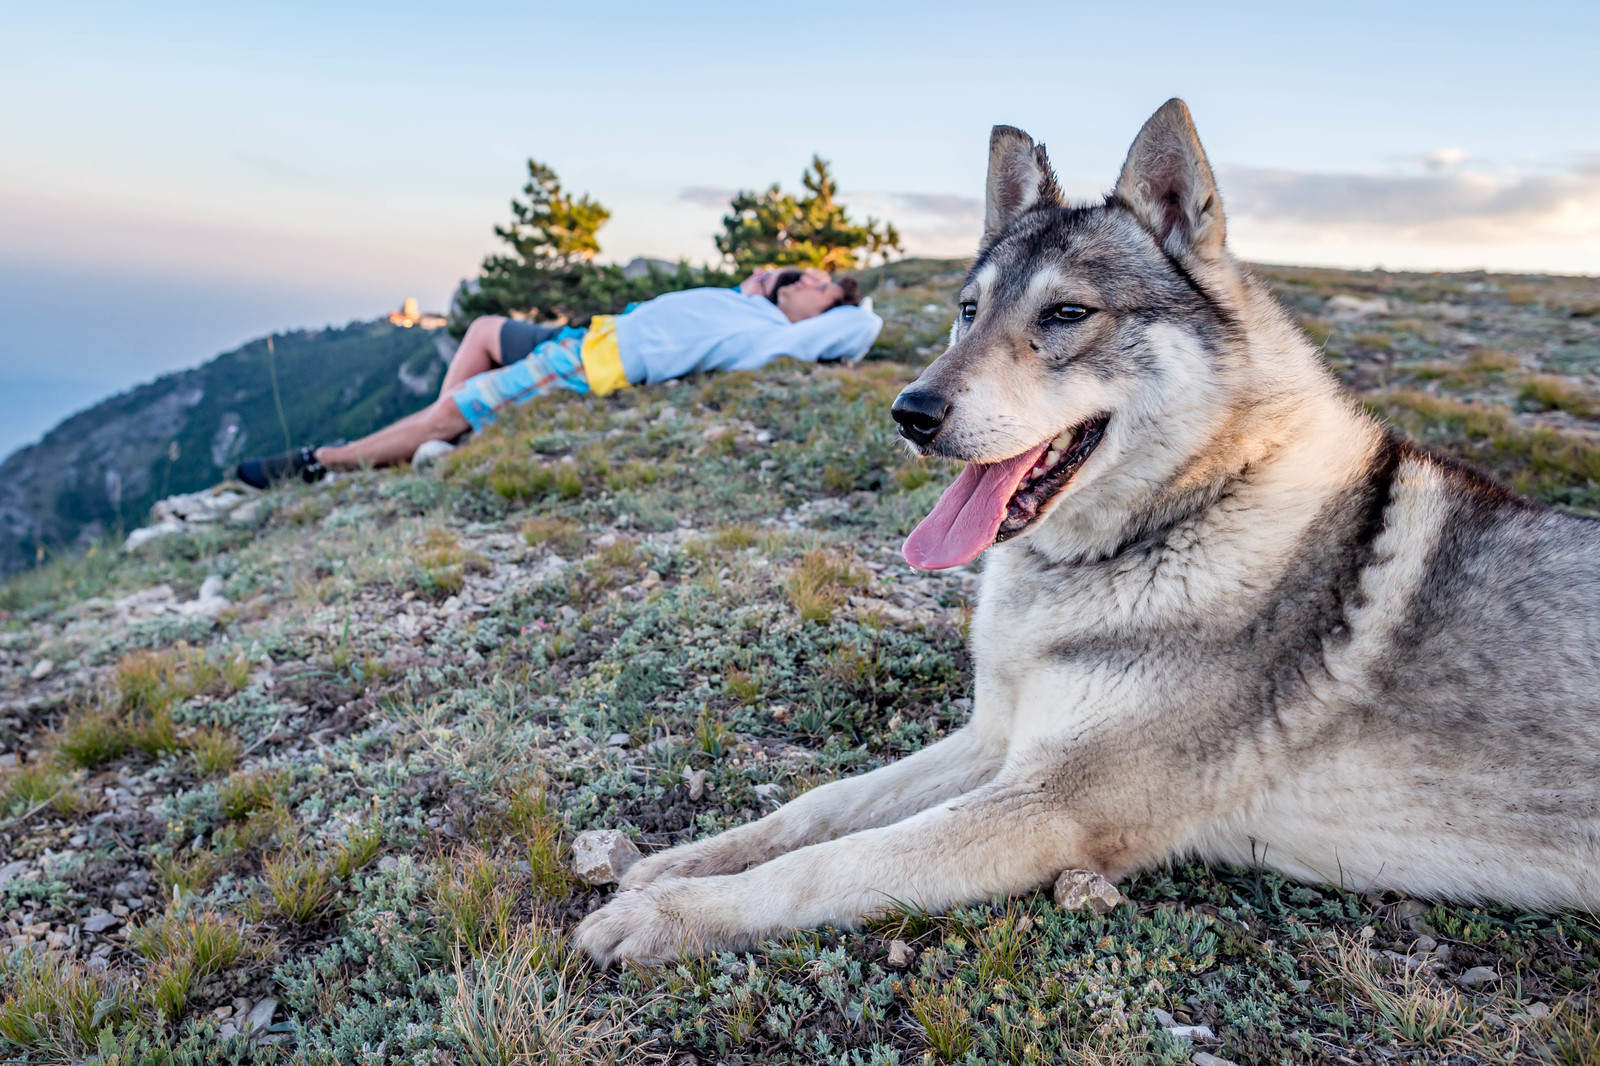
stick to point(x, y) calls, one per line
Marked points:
point(177, 178)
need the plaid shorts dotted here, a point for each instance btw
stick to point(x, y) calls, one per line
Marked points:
point(555, 364)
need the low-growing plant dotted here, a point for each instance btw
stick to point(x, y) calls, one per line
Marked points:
point(92, 738)
point(561, 535)
point(361, 844)
point(477, 899)
point(300, 885)
point(56, 1004)
point(210, 941)
point(215, 750)
point(187, 872)
point(944, 1015)
point(34, 786)
point(533, 818)
point(441, 563)
point(819, 582)
point(248, 791)
point(516, 1005)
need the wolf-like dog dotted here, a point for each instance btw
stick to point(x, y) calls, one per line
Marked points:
point(1224, 613)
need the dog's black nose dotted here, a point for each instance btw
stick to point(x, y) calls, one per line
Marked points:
point(921, 415)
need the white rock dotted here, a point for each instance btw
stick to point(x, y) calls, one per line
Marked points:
point(99, 923)
point(140, 537)
point(13, 870)
point(430, 452)
point(900, 955)
point(619, 740)
point(261, 1015)
point(41, 669)
point(247, 513)
point(605, 540)
point(766, 791)
point(696, 780)
point(1473, 978)
point(1200, 1058)
point(1086, 890)
point(1347, 307)
point(602, 856)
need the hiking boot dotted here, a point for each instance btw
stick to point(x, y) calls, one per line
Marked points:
point(270, 470)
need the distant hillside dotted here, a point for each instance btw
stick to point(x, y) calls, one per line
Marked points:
point(102, 468)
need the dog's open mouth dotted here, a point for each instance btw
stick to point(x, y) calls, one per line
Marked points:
point(992, 502)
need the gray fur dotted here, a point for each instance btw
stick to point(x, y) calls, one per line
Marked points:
point(1254, 625)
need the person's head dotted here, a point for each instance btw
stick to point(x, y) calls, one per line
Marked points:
point(813, 293)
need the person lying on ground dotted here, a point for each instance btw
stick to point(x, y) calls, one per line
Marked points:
point(803, 314)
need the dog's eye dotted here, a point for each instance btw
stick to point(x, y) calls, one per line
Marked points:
point(969, 310)
point(1066, 313)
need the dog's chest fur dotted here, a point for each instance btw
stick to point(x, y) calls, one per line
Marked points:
point(1233, 688)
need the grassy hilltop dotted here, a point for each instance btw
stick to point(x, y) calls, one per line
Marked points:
point(351, 792)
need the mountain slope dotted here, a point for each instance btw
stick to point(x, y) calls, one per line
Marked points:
point(102, 468)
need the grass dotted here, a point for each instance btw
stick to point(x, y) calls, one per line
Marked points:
point(819, 583)
point(514, 1007)
point(300, 885)
point(382, 810)
point(36, 786)
point(55, 1005)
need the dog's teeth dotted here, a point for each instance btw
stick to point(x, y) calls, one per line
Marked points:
point(1061, 442)
point(1038, 470)
point(1052, 456)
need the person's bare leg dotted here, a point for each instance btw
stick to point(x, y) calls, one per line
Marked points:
point(397, 443)
point(479, 351)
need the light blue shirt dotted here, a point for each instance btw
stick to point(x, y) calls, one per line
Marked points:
point(684, 332)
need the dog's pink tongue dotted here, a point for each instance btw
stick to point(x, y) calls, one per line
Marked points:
point(968, 515)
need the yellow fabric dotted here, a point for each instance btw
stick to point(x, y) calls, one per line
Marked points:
point(602, 362)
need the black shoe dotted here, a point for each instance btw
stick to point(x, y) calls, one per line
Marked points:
point(268, 471)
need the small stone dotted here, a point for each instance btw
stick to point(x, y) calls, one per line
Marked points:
point(1424, 945)
point(242, 1005)
point(120, 910)
point(652, 580)
point(1163, 1019)
point(766, 791)
point(41, 669)
point(13, 870)
point(1536, 1011)
point(261, 1015)
point(602, 856)
point(1078, 890)
point(430, 452)
point(605, 540)
point(227, 1031)
point(1191, 1032)
point(78, 840)
point(900, 955)
point(99, 923)
point(222, 1013)
point(1200, 1058)
point(1477, 977)
point(619, 740)
point(696, 780)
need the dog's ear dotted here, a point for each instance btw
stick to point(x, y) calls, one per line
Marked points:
point(1019, 179)
point(1168, 184)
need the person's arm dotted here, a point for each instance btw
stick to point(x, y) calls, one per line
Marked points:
point(753, 285)
point(842, 333)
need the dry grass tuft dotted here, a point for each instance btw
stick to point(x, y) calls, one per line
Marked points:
point(34, 786)
point(54, 1004)
point(442, 564)
point(477, 899)
point(517, 1006)
point(819, 583)
point(300, 886)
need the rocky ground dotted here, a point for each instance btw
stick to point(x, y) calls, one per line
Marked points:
point(298, 780)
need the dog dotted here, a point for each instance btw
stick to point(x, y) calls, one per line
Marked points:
point(1224, 613)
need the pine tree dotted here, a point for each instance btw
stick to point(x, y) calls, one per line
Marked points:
point(775, 228)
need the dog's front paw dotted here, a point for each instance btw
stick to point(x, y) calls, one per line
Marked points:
point(650, 925)
point(703, 858)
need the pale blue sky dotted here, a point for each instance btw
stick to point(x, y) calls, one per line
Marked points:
point(177, 178)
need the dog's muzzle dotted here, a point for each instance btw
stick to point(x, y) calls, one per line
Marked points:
point(921, 415)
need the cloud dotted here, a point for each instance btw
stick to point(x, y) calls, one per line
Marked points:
point(943, 205)
point(1438, 205)
point(708, 196)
